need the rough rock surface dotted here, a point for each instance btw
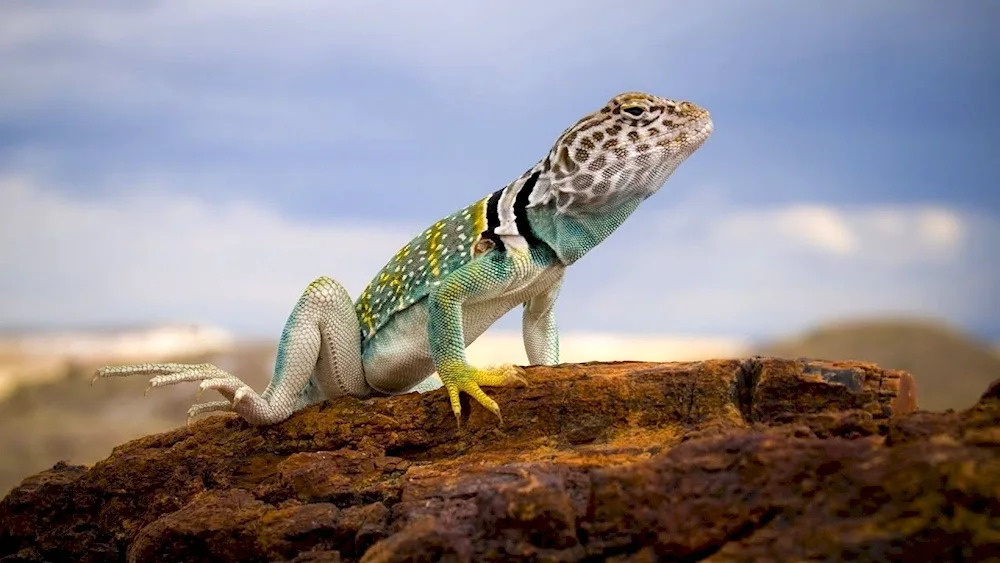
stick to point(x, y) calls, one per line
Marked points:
point(760, 459)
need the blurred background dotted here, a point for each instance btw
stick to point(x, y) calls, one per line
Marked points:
point(173, 174)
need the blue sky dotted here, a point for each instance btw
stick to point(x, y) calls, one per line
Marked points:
point(203, 161)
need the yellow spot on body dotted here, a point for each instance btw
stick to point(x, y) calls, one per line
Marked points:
point(479, 216)
point(478, 224)
point(397, 285)
point(365, 304)
point(434, 248)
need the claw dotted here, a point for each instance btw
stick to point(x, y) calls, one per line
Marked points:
point(240, 394)
point(517, 373)
point(456, 406)
point(466, 378)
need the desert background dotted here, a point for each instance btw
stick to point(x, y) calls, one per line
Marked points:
point(50, 411)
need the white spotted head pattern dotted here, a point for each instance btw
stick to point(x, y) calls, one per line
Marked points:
point(625, 150)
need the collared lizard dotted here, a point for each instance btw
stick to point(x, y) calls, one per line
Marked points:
point(449, 284)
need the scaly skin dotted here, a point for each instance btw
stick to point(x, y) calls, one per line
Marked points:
point(450, 283)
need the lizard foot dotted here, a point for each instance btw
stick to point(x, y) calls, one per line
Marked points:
point(242, 399)
point(463, 377)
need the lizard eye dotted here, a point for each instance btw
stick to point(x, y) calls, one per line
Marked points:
point(634, 111)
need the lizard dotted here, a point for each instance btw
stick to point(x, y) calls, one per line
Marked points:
point(445, 287)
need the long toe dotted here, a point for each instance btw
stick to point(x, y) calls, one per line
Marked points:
point(193, 373)
point(506, 374)
point(145, 369)
point(227, 386)
point(213, 406)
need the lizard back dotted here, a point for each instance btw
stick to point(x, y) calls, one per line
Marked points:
point(445, 246)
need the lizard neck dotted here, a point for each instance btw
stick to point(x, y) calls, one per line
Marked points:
point(572, 236)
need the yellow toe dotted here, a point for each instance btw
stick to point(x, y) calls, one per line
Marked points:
point(465, 378)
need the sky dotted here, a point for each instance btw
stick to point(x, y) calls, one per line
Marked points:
point(175, 161)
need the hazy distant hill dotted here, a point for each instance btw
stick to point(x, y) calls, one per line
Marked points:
point(952, 369)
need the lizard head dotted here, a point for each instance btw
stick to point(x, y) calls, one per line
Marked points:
point(625, 150)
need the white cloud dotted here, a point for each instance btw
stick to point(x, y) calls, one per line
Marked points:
point(897, 233)
point(711, 269)
point(810, 225)
point(157, 256)
point(940, 228)
point(709, 266)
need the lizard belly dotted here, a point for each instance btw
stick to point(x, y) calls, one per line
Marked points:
point(398, 356)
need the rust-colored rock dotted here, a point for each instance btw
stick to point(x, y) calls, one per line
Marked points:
point(762, 459)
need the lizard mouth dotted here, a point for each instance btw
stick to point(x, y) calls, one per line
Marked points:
point(705, 130)
point(677, 145)
point(690, 134)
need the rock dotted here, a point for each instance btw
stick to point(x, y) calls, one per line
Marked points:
point(950, 366)
point(720, 460)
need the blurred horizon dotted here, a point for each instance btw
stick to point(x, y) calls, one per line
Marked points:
point(504, 333)
point(183, 162)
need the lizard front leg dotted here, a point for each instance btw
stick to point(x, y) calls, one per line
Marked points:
point(483, 278)
point(538, 327)
point(319, 356)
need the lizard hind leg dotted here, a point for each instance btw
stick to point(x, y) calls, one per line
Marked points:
point(319, 356)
